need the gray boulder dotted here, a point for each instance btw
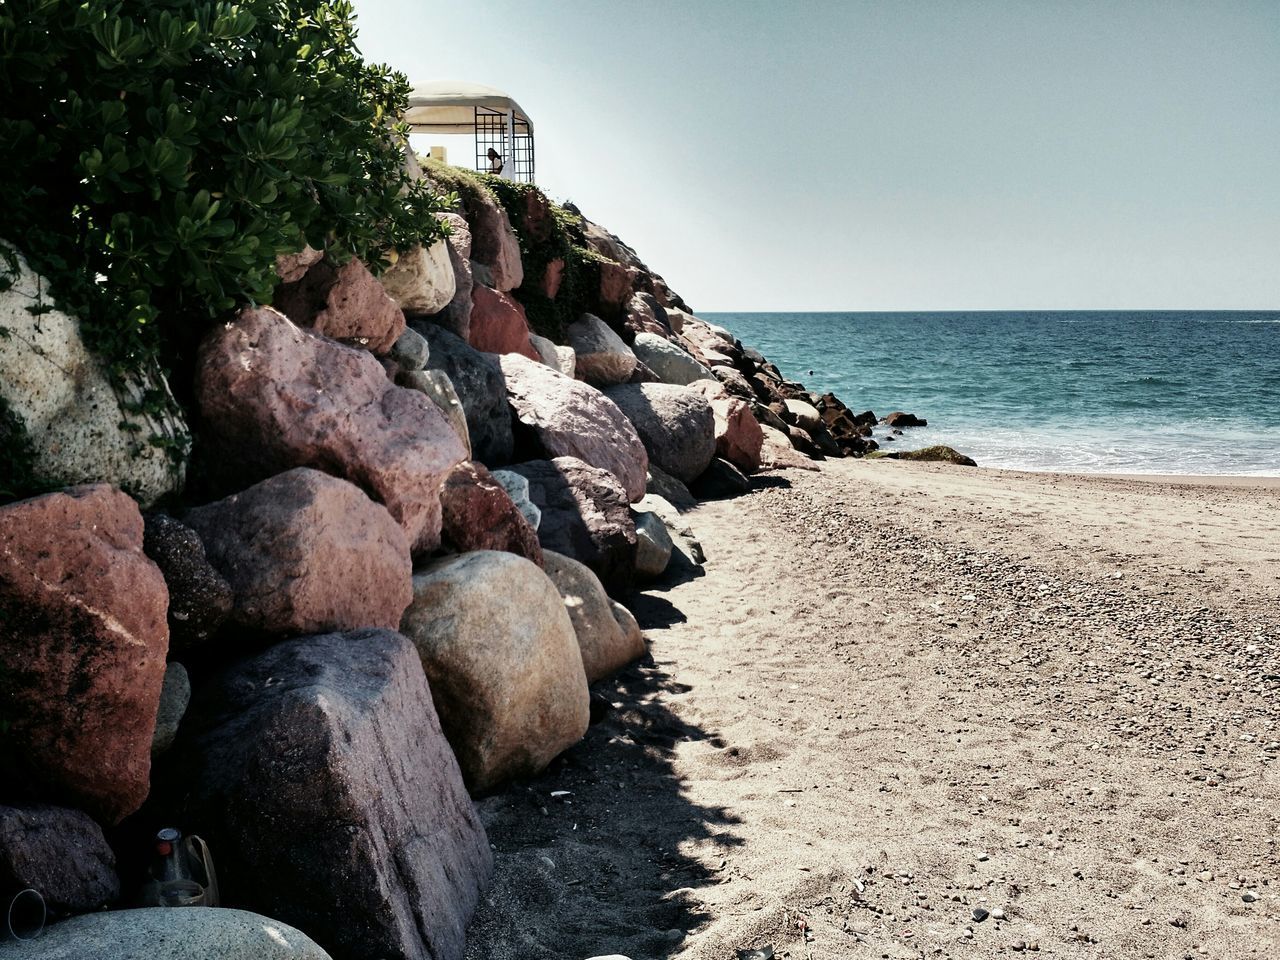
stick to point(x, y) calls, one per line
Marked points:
point(61, 397)
point(676, 425)
point(59, 853)
point(320, 777)
point(517, 488)
point(671, 362)
point(653, 545)
point(175, 695)
point(163, 933)
point(478, 382)
point(437, 386)
point(603, 358)
point(585, 515)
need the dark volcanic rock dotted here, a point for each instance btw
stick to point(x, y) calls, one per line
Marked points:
point(318, 773)
point(83, 640)
point(199, 597)
point(61, 854)
point(900, 419)
point(585, 515)
point(478, 381)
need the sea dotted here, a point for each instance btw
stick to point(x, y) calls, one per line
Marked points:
point(1148, 392)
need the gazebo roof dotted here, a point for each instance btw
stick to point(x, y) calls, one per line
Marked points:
point(448, 106)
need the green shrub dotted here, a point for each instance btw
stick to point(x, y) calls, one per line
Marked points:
point(156, 157)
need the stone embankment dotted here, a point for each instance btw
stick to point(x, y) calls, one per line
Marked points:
point(381, 586)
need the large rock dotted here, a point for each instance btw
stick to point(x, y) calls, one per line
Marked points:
point(59, 853)
point(605, 644)
point(456, 316)
point(345, 303)
point(653, 545)
point(175, 696)
point(584, 516)
point(163, 933)
point(421, 281)
point(671, 362)
point(62, 398)
point(721, 481)
point(777, 452)
point(738, 435)
point(83, 640)
point(436, 386)
point(517, 488)
point(675, 423)
point(478, 381)
point(805, 415)
point(602, 357)
point(900, 419)
point(274, 397)
point(305, 552)
point(320, 778)
point(494, 242)
point(555, 357)
point(560, 417)
point(644, 314)
point(503, 662)
point(687, 550)
point(498, 324)
point(480, 515)
point(200, 598)
point(669, 488)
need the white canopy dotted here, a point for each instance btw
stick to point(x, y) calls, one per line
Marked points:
point(447, 106)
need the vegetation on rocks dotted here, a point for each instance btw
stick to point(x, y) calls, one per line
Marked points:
point(556, 236)
point(158, 157)
point(938, 453)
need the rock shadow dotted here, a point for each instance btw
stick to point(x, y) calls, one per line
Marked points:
point(595, 856)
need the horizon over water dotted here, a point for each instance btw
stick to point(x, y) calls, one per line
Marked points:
point(1086, 391)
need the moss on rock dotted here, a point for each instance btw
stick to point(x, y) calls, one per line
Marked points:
point(939, 453)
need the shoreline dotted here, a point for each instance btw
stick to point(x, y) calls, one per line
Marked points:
point(1236, 480)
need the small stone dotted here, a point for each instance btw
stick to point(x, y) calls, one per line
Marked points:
point(998, 913)
point(1018, 945)
point(979, 914)
point(1249, 896)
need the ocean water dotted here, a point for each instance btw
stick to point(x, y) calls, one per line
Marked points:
point(1095, 392)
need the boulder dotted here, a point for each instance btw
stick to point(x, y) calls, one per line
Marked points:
point(676, 318)
point(721, 481)
point(163, 933)
point(713, 345)
point(411, 352)
point(653, 545)
point(456, 316)
point(493, 241)
point(900, 419)
point(549, 284)
point(436, 386)
point(734, 382)
point(503, 662)
point(738, 436)
point(480, 515)
point(292, 267)
point(305, 552)
point(498, 324)
point(517, 488)
point(53, 390)
point(606, 643)
point(602, 357)
point(200, 598)
point(421, 281)
point(938, 453)
point(83, 639)
point(555, 357)
point(478, 381)
point(643, 313)
point(671, 362)
point(344, 303)
point(561, 417)
point(666, 486)
point(59, 853)
point(687, 549)
point(320, 778)
point(676, 425)
point(616, 285)
point(777, 453)
point(642, 374)
point(585, 516)
point(805, 415)
point(274, 397)
point(767, 417)
point(175, 695)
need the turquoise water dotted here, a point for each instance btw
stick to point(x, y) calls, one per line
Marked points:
point(1132, 392)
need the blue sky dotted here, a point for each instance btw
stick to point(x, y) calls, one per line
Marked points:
point(811, 155)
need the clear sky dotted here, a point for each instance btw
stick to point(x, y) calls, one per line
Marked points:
point(843, 155)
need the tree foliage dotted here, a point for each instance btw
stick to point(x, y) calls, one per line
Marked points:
point(156, 157)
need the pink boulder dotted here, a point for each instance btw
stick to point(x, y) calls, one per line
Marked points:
point(275, 397)
point(494, 242)
point(616, 284)
point(479, 514)
point(305, 552)
point(346, 303)
point(738, 434)
point(83, 640)
point(552, 277)
point(568, 418)
point(498, 323)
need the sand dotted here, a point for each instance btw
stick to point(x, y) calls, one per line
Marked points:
point(905, 692)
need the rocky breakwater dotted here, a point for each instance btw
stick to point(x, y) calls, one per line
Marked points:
point(397, 560)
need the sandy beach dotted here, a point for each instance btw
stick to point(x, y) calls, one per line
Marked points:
point(905, 696)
